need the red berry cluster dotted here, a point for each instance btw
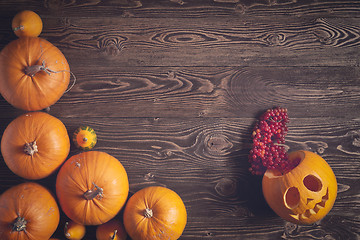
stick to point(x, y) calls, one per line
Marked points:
point(268, 135)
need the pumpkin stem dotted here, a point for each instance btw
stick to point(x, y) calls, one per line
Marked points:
point(93, 193)
point(30, 148)
point(21, 27)
point(66, 226)
point(113, 236)
point(32, 70)
point(19, 224)
point(148, 213)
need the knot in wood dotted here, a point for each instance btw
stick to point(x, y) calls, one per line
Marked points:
point(111, 46)
point(54, 4)
point(218, 144)
point(290, 229)
point(226, 187)
point(275, 39)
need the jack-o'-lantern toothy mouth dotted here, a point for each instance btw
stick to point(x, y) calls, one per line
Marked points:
point(309, 212)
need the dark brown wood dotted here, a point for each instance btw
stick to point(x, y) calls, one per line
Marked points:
point(173, 89)
point(129, 42)
point(183, 8)
point(208, 91)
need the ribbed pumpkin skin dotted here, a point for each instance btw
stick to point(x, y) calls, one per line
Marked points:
point(43, 89)
point(79, 174)
point(309, 202)
point(51, 138)
point(169, 215)
point(36, 205)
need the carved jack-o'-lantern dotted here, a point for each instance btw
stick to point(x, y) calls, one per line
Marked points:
point(306, 193)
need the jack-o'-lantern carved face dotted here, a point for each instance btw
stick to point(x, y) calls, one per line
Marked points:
point(306, 193)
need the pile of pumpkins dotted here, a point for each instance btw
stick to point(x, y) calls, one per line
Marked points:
point(91, 187)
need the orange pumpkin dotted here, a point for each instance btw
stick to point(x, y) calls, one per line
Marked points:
point(27, 24)
point(34, 145)
point(155, 213)
point(74, 231)
point(112, 230)
point(306, 193)
point(92, 187)
point(34, 74)
point(28, 212)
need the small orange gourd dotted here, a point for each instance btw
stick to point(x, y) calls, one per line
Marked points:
point(155, 213)
point(74, 231)
point(34, 74)
point(27, 24)
point(84, 137)
point(92, 187)
point(306, 193)
point(112, 230)
point(34, 145)
point(28, 212)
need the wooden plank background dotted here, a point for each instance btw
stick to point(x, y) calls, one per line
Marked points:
point(173, 88)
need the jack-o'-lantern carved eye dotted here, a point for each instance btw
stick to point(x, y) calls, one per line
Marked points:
point(312, 183)
point(292, 198)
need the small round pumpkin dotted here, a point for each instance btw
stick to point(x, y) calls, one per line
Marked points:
point(92, 187)
point(305, 194)
point(28, 212)
point(34, 145)
point(34, 74)
point(155, 213)
point(84, 137)
point(27, 24)
point(112, 230)
point(74, 231)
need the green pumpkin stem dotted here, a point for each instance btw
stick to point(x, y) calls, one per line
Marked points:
point(21, 27)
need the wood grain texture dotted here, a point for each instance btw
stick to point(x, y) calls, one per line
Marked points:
point(184, 8)
point(173, 89)
point(209, 91)
point(208, 41)
point(204, 42)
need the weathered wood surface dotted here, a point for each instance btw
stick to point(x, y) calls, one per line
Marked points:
point(184, 8)
point(129, 42)
point(173, 89)
point(208, 92)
